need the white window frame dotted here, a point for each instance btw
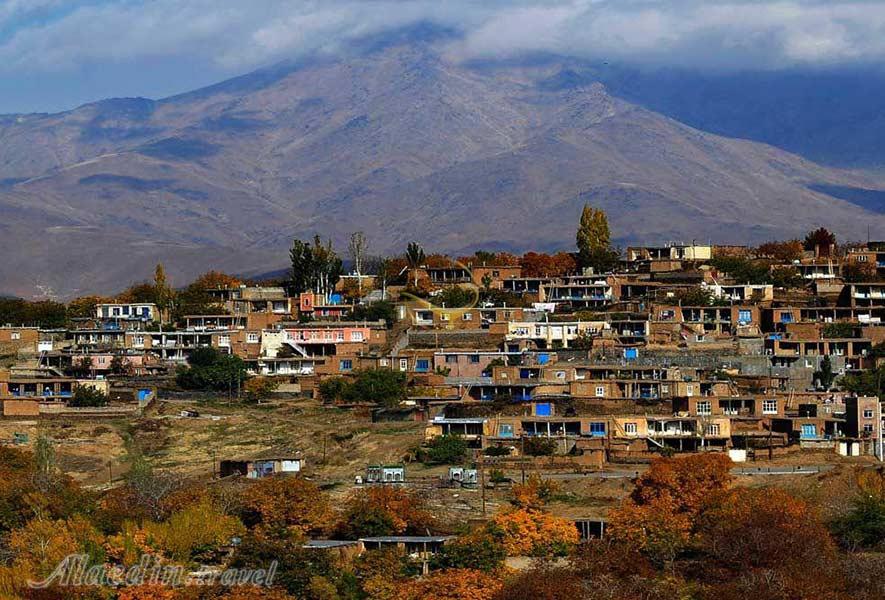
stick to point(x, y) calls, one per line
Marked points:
point(705, 407)
point(631, 428)
point(600, 391)
point(252, 338)
point(767, 407)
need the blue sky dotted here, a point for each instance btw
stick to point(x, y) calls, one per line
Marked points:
point(57, 54)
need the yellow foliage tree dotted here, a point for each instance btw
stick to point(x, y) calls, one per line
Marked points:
point(528, 532)
point(201, 527)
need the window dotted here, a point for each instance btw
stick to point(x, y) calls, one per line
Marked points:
point(868, 428)
point(505, 430)
point(689, 389)
point(560, 374)
point(467, 316)
point(252, 338)
point(630, 428)
point(600, 391)
point(138, 340)
point(862, 258)
point(224, 340)
point(356, 336)
point(422, 364)
point(346, 365)
point(451, 358)
point(444, 317)
point(713, 429)
point(383, 362)
point(403, 364)
point(340, 336)
point(597, 429)
point(769, 407)
point(16, 335)
point(868, 413)
point(474, 359)
point(704, 408)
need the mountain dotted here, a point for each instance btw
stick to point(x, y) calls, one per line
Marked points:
point(397, 142)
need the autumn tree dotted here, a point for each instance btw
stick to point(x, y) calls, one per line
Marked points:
point(384, 510)
point(762, 527)
point(784, 252)
point(259, 389)
point(821, 241)
point(536, 264)
point(193, 533)
point(451, 584)
point(594, 241)
point(544, 582)
point(659, 516)
point(163, 292)
point(286, 506)
point(214, 280)
point(862, 526)
point(530, 532)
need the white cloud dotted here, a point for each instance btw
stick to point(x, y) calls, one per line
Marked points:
point(237, 35)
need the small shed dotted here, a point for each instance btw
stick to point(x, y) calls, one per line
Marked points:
point(463, 475)
point(386, 473)
point(261, 467)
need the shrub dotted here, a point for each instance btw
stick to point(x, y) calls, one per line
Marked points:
point(539, 446)
point(88, 396)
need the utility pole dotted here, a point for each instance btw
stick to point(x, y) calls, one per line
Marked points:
point(482, 477)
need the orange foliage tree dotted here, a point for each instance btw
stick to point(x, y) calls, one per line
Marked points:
point(384, 510)
point(763, 527)
point(285, 506)
point(451, 584)
point(535, 264)
point(787, 251)
point(659, 516)
point(214, 280)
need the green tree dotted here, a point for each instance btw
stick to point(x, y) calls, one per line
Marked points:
point(594, 241)
point(825, 375)
point(415, 258)
point(376, 311)
point(301, 274)
point(209, 369)
point(327, 266)
point(378, 386)
point(87, 396)
point(333, 389)
point(445, 450)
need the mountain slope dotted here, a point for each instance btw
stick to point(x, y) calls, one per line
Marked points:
point(398, 143)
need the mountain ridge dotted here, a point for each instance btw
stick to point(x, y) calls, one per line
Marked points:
point(399, 143)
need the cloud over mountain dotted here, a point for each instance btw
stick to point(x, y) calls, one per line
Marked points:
point(222, 37)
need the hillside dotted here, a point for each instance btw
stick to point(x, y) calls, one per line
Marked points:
point(397, 142)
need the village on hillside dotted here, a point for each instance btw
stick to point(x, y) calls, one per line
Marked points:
point(685, 420)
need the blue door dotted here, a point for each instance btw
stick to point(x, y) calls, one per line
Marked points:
point(543, 409)
point(808, 432)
